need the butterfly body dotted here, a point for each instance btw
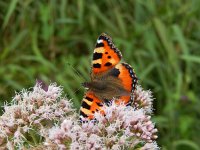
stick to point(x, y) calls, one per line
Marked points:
point(106, 86)
point(109, 78)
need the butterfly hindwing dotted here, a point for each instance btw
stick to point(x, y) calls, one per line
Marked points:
point(105, 55)
point(90, 104)
point(128, 80)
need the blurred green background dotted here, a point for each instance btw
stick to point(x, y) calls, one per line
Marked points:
point(53, 40)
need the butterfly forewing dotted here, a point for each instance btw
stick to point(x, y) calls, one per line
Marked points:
point(105, 55)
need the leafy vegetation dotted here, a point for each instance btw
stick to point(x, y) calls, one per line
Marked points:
point(53, 41)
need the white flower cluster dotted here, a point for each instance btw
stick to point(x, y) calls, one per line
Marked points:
point(31, 114)
point(120, 127)
point(143, 99)
point(44, 119)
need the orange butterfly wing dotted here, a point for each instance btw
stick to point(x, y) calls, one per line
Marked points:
point(90, 104)
point(128, 79)
point(105, 55)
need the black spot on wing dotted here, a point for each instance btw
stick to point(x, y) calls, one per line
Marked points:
point(97, 65)
point(109, 57)
point(129, 103)
point(99, 45)
point(107, 38)
point(97, 56)
point(99, 104)
point(107, 101)
point(108, 64)
point(83, 114)
point(89, 99)
point(85, 105)
point(115, 72)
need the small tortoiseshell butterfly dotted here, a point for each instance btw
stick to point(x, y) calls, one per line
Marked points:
point(110, 78)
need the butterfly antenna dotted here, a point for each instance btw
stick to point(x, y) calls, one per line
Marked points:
point(77, 90)
point(78, 74)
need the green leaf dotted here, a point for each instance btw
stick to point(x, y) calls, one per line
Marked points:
point(185, 145)
point(191, 58)
point(11, 9)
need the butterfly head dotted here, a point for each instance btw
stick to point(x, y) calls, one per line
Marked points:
point(86, 85)
point(94, 85)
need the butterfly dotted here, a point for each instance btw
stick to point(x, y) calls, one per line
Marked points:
point(110, 79)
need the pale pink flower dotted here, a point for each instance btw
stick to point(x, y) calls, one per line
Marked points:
point(94, 142)
point(143, 99)
point(116, 147)
point(36, 110)
point(150, 146)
